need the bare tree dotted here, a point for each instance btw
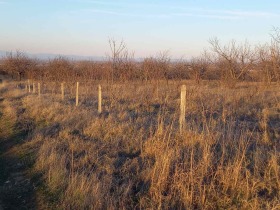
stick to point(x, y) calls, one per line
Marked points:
point(276, 34)
point(264, 63)
point(269, 58)
point(179, 69)
point(59, 69)
point(237, 58)
point(198, 67)
point(117, 52)
point(18, 64)
point(157, 67)
point(275, 53)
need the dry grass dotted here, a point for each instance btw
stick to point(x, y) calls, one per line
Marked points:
point(132, 155)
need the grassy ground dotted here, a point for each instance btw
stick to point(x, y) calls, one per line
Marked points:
point(133, 155)
point(16, 190)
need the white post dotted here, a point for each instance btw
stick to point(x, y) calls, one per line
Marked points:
point(77, 94)
point(182, 119)
point(34, 87)
point(62, 91)
point(29, 89)
point(99, 99)
point(39, 89)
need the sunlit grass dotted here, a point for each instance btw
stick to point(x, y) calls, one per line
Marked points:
point(133, 156)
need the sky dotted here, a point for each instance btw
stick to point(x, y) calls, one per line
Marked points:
point(148, 27)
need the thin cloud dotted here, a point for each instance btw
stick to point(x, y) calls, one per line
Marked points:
point(186, 14)
point(238, 14)
point(252, 14)
point(109, 12)
point(212, 16)
point(175, 11)
point(122, 4)
point(100, 2)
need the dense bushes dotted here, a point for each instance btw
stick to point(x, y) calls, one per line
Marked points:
point(230, 63)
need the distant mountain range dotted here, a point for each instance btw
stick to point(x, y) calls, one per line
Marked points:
point(47, 56)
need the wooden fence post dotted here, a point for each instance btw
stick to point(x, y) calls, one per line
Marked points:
point(182, 119)
point(34, 88)
point(62, 91)
point(77, 94)
point(39, 89)
point(99, 99)
point(29, 90)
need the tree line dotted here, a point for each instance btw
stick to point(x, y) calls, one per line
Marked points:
point(229, 63)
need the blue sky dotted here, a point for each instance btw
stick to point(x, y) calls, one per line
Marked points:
point(83, 27)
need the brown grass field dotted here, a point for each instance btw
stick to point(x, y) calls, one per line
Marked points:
point(132, 155)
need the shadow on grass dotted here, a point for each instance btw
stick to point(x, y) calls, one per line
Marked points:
point(16, 189)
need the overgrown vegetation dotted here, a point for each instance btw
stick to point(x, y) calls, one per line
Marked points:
point(132, 155)
point(230, 63)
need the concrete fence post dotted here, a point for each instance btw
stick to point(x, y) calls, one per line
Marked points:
point(62, 91)
point(99, 99)
point(182, 120)
point(29, 89)
point(77, 94)
point(34, 87)
point(39, 89)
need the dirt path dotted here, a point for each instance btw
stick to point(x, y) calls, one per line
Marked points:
point(16, 188)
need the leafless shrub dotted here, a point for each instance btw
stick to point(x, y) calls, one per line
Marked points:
point(198, 68)
point(122, 61)
point(228, 63)
point(59, 69)
point(18, 65)
point(179, 70)
point(156, 68)
point(268, 65)
point(235, 59)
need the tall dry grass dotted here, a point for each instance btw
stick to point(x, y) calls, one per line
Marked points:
point(133, 156)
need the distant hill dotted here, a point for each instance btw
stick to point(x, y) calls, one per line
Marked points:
point(46, 56)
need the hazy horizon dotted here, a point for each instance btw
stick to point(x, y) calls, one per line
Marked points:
point(83, 27)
